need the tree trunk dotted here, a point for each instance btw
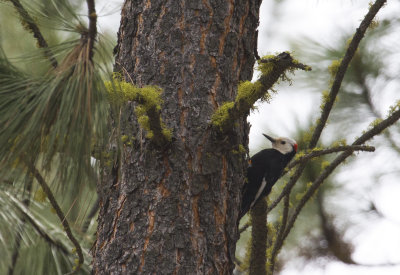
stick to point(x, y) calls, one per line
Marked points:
point(174, 210)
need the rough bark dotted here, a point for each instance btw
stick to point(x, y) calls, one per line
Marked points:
point(174, 210)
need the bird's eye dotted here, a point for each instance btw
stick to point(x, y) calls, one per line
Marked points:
point(283, 142)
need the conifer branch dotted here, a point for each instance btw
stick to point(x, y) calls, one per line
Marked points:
point(92, 31)
point(18, 237)
point(376, 130)
point(344, 64)
point(334, 91)
point(303, 160)
point(321, 152)
point(29, 24)
point(59, 212)
point(44, 235)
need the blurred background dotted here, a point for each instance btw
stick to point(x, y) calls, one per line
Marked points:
point(351, 227)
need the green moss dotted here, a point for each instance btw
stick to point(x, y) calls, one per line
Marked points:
point(308, 134)
point(394, 108)
point(334, 67)
point(221, 115)
point(120, 92)
point(40, 195)
point(249, 93)
point(266, 67)
point(240, 150)
point(340, 142)
point(325, 164)
point(167, 132)
point(325, 98)
point(124, 138)
point(375, 122)
point(148, 98)
point(299, 155)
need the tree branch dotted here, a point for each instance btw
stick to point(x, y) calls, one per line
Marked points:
point(92, 26)
point(244, 227)
point(334, 91)
point(18, 237)
point(344, 64)
point(59, 212)
point(280, 236)
point(148, 110)
point(259, 233)
point(303, 160)
point(272, 69)
point(29, 24)
point(395, 116)
point(320, 152)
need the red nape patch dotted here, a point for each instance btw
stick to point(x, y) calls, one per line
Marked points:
point(295, 147)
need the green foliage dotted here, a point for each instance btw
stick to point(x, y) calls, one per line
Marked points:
point(51, 118)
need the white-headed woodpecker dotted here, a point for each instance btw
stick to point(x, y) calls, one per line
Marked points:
point(265, 169)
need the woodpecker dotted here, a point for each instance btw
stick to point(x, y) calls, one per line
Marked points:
point(265, 169)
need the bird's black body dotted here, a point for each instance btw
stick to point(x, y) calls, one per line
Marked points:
point(267, 165)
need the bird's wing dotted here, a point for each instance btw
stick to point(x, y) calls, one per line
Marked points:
point(249, 191)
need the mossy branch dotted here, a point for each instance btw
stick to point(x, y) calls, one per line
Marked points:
point(32, 169)
point(376, 129)
point(29, 24)
point(272, 68)
point(148, 111)
point(331, 97)
point(339, 68)
point(321, 152)
point(303, 159)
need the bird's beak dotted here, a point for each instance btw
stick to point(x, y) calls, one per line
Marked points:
point(270, 138)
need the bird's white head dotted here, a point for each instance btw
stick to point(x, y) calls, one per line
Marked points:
point(283, 144)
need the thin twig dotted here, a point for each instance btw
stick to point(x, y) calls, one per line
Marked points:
point(344, 64)
point(92, 26)
point(313, 154)
point(45, 236)
point(38, 228)
point(31, 25)
point(333, 93)
point(244, 227)
point(18, 237)
point(318, 153)
point(59, 212)
point(395, 116)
